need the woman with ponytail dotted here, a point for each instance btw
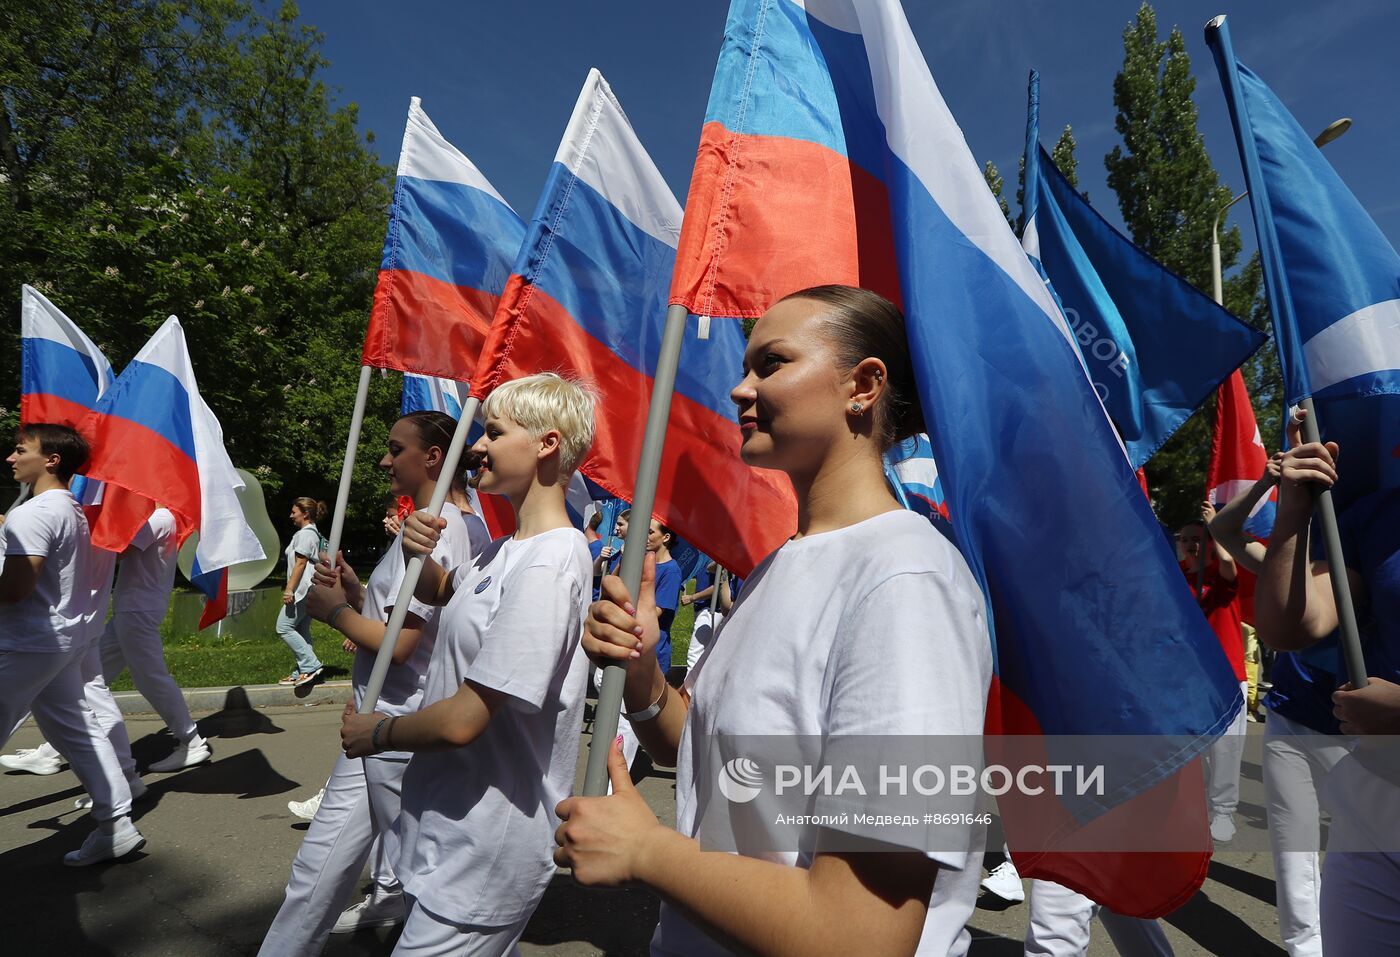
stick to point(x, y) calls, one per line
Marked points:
point(293, 622)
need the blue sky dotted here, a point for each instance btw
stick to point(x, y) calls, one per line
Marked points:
point(500, 79)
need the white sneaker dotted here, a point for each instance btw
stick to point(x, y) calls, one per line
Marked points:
point(33, 760)
point(101, 846)
point(307, 809)
point(1005, 882)
point(1222, 828)
point(186, 755)
point(371, 912)
point(138, 791)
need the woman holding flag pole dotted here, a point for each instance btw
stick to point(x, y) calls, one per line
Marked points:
point(361, 799)
point(866, 622)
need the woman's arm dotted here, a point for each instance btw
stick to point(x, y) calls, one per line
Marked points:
point(1293, 600)
point(420, 537)
point(619, 633)
point(293, 580)
point(1227, 525)
point(453, 722)
point(327, 602)
point(864, 903)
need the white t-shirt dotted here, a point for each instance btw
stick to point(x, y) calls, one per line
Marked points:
point(58, 615)
point(147, 570)
point(306, 543)
point(876, 629)
point(403, 684)
point(477, 825)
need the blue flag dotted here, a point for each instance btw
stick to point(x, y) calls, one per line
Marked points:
point(1333, 281)
point(1154, 345)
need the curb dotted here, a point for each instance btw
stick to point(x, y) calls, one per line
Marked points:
point(244, 696)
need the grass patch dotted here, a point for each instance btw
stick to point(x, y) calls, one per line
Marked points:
point(250, 652)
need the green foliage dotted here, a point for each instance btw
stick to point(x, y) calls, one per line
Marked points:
point(182, 157)
point(1063, 155)
point(994, 182)
point(1169, 195)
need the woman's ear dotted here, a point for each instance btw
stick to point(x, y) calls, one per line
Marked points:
point(550, 442)
point(868, 380)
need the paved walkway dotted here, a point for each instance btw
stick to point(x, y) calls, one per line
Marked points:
point(221, 841)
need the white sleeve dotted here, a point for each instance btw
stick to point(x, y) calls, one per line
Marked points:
point(31, 531)
point(305, 542)
point(146, 536)
point(538, 622)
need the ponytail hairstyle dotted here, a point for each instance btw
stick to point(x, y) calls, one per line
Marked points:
point(315, 509)
point(436, 428)
point(861, 324)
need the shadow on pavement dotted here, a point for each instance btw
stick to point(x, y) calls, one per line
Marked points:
point(985, 944)
point(1257, 886)
point(1219, 930)
point(237, 719)
point(617, 921)
point(248, 775)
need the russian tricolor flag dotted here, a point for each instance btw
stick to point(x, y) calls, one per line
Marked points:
point(447, 255)
point(153, 435)
point(824, 112)
point(913, 475)
point(62, 372)
point(588, 297)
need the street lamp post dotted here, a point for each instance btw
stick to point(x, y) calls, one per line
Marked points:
point(1333, 131)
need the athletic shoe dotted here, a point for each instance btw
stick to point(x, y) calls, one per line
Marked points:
point(138, 791)
point(186, 755)
point(1005, 882)
point(307, 678)
point(291, 679)
point(307, 809)
point(1222, 828)
point(371, 912)
point(101, 846)
point(32, 760)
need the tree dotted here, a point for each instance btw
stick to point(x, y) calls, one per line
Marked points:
point(994, 182)
point(1169, 193)
point(182, 156)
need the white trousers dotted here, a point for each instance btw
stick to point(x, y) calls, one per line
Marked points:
point(1222, 763)
point(427, 935)
point(954, 899)
point(705, 624)
point(51, 685)
point(1296, 759)
point(132, 639)
point(361, 802)
point(1360, 904)
point(1059, 926)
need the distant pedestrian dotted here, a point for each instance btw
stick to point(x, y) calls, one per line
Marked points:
point(293, 622)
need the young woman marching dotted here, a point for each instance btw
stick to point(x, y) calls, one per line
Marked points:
point(866, 622)
point(497, 740)
point(361, 799)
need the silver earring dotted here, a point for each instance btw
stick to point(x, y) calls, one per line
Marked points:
point(856, 407)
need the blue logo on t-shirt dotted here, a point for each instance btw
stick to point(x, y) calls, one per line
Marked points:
point(482, 585)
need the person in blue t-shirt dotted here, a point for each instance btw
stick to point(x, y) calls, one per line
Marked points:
point(668, 588)
point(1296, 609)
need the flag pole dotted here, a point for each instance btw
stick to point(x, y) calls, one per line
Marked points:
point(347, 468)
point(414, 570)
point(1281, 302)
point(595, 779)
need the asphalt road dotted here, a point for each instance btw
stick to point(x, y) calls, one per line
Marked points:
point(221, 841)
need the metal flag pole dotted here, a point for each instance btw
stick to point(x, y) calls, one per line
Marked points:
point(1218, 39)
point(347, 468)
point(595, 779)
point(385, 656)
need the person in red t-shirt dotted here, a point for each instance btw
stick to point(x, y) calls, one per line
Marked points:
point(1217, 591)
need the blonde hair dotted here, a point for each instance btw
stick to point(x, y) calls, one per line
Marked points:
point(547, 401)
